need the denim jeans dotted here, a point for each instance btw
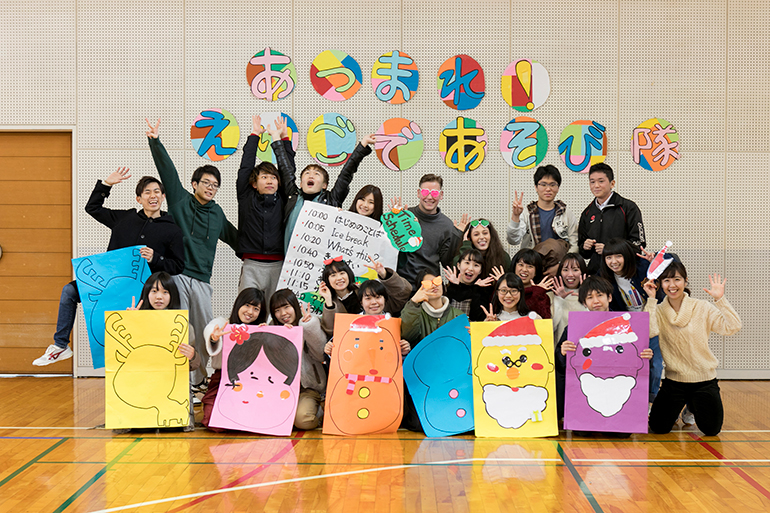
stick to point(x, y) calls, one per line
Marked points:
point(68, 307)
point(656, 368)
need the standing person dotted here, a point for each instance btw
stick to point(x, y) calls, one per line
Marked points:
point(548, 227)
point(440, 235)
point(684, 325)
point(608, 216)
point(261, 199)
point(314, 181)
point(203, 223)
point(150, 226)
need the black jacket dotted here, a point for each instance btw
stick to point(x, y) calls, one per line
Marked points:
point(333, 197)
point(260, 216)
point(133, 228)
point(620, 219)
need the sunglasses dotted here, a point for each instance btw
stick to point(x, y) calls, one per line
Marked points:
point(430, 192)
point(482, 222)
point(429, 284)
point(335, 259)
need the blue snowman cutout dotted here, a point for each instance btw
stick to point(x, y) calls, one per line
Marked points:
point(439, 376)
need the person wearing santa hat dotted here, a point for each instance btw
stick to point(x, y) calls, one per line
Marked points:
point(595, 294)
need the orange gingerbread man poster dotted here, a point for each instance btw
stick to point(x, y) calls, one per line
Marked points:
point(365, 393)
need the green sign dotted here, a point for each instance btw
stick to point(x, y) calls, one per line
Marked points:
point(403, 230)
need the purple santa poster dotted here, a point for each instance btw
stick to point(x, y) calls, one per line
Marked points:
point(607, 381)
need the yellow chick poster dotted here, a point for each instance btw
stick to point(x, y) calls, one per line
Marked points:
point(514, 388)
point(147, 379)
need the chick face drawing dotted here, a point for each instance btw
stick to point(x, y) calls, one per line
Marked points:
point(513, 369)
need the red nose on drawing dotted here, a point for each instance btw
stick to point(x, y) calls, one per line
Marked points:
point(587, 363)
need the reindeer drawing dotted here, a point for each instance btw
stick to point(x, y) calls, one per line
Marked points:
point(150, 393)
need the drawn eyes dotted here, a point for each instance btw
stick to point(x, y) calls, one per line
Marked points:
point(586, 352)
point(619, 349)
point(355, 345)
point(270, 379)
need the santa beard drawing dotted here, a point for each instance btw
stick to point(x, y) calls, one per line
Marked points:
point(513, 407)
point(606, 396)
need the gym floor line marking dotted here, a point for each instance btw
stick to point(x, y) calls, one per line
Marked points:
point(302, 479)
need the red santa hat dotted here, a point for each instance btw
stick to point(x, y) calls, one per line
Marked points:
point(610, 333)
point(368, 323)
point(518, 332)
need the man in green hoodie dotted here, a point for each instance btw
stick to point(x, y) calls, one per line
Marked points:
point(203, 223)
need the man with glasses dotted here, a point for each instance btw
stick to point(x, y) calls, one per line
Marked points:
point(440, 236)
point(203, 223)
point(548, 227)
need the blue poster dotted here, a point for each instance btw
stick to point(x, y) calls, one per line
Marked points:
point(106, 282)
point(438, 375)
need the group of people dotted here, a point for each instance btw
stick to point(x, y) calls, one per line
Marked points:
point(596, 261)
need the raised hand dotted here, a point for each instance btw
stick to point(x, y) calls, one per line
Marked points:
point(256, 125)
point(420, 296)
point(646, 254)
point(395, 204)
point(282, 127)
point(650, 288)
point(546, 284)
point(489, 313)
point(275, 132)
point(368, 139)
point(217, 333)
point(117, 176)
point(518, 206)
point(560, 290)
point(326, 294)
point(451, 275)
point(463, 222)
point(717, 286)
point(486, 282)
point(497, 272)
point(152, 133)
point(306, 312)
point(134, 306)
point(378, 267)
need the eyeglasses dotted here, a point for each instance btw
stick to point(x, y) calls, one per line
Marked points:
point(209, 185)
point(514, 363)
point(549, 185)
point(429, 284)
point(430, 192)
point(505, 292)
point(335, 259)
point(482, 222)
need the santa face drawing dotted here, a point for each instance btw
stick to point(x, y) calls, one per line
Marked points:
point(513, 370)
point(604, 349)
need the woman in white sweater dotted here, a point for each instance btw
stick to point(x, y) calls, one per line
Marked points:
point(684, 325)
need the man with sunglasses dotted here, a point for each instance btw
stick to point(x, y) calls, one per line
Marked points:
point(440, 236)
point(203, 223)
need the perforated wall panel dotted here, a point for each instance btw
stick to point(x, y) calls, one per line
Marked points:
point(702, 65)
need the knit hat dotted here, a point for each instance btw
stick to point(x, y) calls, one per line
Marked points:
point(610, 333)
point(368, 323)
point(518, 332)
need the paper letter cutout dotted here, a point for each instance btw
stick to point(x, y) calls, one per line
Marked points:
point(147, 379)
point(399, 143)
point(331, 139)
point(607, 382)
point(437, 373)
point(365, 392)
point(215, 134)
point(261, 369)
point(514, 390)
point(107, 281)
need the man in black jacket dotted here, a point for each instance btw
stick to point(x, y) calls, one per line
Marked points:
point(608, 216)
point(261, 199)
point(149, 227)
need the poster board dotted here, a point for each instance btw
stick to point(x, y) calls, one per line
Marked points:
point(324, 232)
point(147, 379)
point(259, 390)
point(365, 391)
point(607, 382)
point(438, 375)
point(514, 390)
point(107, 281)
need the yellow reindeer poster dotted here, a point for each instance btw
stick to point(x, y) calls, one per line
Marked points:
point(147, 379)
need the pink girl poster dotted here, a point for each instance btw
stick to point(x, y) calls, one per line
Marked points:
point(259, 390)
point(607, 382)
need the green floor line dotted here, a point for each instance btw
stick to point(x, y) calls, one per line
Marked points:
point(576, 475)
point(32, 461)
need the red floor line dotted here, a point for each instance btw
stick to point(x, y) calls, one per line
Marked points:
point(278, 455)
point(761, 489)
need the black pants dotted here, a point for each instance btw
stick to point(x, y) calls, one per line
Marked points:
point(702, 398)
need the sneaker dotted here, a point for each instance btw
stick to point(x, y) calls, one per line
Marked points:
point(687, 417)
point(196, 400)
point(200, 388)
point(52, 355)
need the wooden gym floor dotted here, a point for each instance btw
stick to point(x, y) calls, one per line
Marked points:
point(54, 460)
